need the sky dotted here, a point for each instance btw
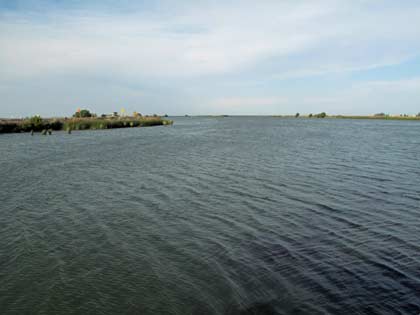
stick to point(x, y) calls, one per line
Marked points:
point(209, 57)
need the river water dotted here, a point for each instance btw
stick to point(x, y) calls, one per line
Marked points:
point(235, 215)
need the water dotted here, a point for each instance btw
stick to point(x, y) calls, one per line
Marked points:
point(213, 216)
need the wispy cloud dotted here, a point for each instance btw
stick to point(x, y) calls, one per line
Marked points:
point(369, 97)
point(214, 40)
point(178, 43)
point(232, 102)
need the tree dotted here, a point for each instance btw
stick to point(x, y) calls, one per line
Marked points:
point(297, 115)
point(310, 115)
point(83, 113)
point(321, 115)
point(418, 115)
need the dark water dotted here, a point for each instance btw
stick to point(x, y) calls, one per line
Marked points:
point(213, 216)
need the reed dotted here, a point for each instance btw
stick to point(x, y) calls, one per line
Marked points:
point(37, 124)
point(109, 123)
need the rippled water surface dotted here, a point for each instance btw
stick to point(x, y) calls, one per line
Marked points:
point(213, 216)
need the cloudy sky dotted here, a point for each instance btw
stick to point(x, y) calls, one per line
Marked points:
point(209, 57)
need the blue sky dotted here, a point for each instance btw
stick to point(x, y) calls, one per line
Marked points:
point(209, 57)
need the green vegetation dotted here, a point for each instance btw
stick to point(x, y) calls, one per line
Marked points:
point(37, 124)
point(384, 117)
point(84, 113)
point(380, 115)
point(321, 115)
point(32, 124)
point(106, 123)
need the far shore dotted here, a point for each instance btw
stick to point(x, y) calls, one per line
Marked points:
point(319, 116)
point(353, 117)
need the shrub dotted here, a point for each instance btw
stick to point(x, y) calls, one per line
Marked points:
point(321, 115)
point(84, 113)
point(56, 125)
point(8, 127)
point(35, 123)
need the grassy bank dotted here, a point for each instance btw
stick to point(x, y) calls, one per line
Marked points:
point(319, 116)
point(37, 124)
point(377, 117)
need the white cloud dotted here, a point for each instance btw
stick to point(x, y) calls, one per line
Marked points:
point(229, 102)
point(364, 98)
point(212, 39)
point(332, 67)
point(369, 97)
point(235, 42)
point(391, 85)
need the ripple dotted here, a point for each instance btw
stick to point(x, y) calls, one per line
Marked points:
point(240, 215)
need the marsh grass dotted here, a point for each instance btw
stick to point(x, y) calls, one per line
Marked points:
point(106, 123)
point(37, 124)
point(34, 124)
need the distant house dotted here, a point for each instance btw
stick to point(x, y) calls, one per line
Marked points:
point(112, 115)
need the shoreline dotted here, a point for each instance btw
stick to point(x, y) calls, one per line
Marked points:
point(38, 124)
point(372, 117)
